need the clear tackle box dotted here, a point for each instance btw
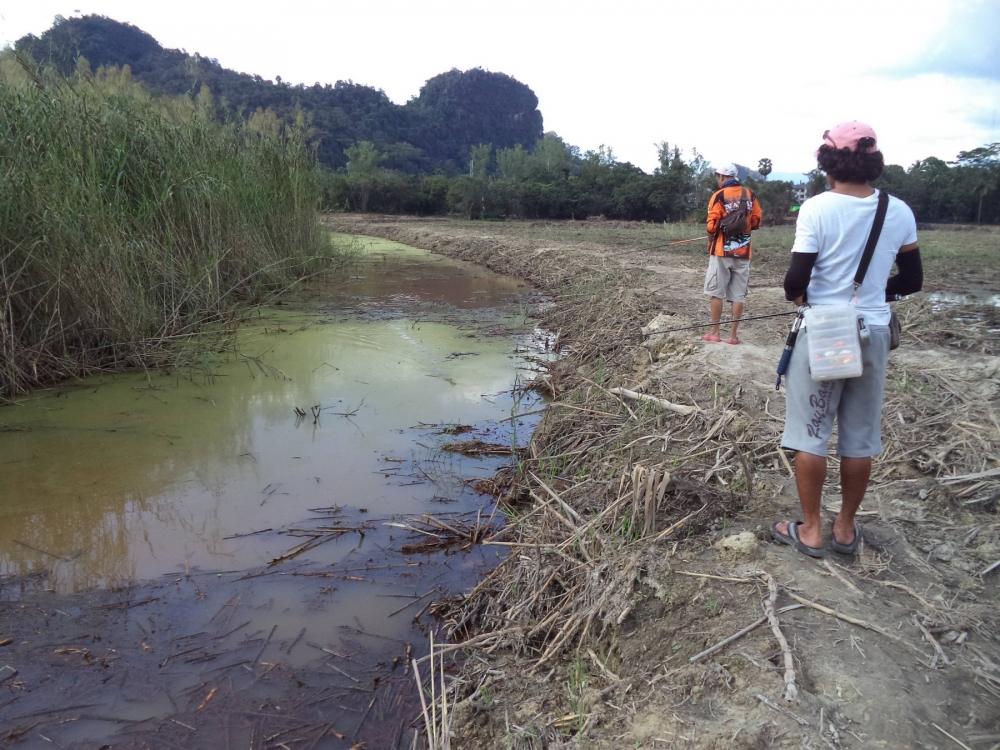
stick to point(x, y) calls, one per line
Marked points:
point(834, 342)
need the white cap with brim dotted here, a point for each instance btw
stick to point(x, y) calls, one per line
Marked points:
point(727, 170)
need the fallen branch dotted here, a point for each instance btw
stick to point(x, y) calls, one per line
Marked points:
point(673, 527)
point(739, 634)
point(951, 737)
point(970, 477)
point(842, 578)
point(933, 641)
point(791, 690)
point(555, 496)
point(681, 409)
point(780, 709)
point(42, 551)
point(855, 621)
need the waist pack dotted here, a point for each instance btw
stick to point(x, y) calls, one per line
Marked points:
point(895, 331)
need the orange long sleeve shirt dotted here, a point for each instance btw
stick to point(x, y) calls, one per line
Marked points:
point(716, 210)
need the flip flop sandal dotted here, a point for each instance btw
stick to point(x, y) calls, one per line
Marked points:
point(792, 539)
point(847, 549)
point(712, 338)
point(734, 340)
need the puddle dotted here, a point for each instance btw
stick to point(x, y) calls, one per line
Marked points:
point(978, 309)
point(945, 300)
point(280, 486)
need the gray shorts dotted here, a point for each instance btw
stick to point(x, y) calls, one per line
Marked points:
point(810, 406)
point(727, 278)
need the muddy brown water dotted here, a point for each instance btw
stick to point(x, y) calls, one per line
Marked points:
point(150, 524)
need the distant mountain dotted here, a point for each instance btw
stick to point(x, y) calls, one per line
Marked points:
point(744, 172)
point(796, 178)
point(433, 131)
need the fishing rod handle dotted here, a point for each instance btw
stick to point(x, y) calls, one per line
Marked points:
point(786, 357)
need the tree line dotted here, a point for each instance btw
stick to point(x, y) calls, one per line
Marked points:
point(471, 143)
point(554, 180)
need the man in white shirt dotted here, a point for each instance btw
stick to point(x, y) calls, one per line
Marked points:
point(830, 234)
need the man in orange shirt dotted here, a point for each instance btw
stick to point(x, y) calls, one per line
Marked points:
point(733, 212)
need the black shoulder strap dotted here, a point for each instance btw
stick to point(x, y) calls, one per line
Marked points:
point(745, 195)
point(866, 256)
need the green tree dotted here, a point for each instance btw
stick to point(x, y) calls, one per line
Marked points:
point(479, 160)
point(816, 183)
point(983, 167)
point(467, 196)
point(512, 163)
point(458, 109)
point(764, 167)
point(672, 185)
point(775, 200)
point(265, 121)
point(362, 166)
point(550, 159)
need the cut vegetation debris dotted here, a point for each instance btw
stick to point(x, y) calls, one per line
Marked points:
point(615, 621)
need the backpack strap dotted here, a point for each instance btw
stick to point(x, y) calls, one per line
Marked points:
point(712, 237)
point(876, 230)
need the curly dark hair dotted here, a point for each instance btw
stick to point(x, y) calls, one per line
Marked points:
point(845, 165)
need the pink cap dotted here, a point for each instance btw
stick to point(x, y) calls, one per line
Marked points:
point(847, 135)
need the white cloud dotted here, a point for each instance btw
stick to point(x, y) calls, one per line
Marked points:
point(626, 74)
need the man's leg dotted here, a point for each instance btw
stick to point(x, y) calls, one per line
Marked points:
point(854, 474)
point(739, 282)
point(715, 308)
point(810, 408)
point(737, 314)
point(860, 418)
point(810, 473)
point(716, 282)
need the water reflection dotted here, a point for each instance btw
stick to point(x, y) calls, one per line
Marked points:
point(125, 478)
point(945, 300)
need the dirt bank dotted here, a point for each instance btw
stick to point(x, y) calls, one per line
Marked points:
point(638, 526)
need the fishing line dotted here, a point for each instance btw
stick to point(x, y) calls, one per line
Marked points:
point(722, 322)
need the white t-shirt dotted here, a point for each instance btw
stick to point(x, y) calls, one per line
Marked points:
point(835, 227)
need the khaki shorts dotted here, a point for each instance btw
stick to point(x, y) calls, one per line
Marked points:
point(727, 278)
point(855, 404)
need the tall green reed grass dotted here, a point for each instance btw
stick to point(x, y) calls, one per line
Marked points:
point(129, 223)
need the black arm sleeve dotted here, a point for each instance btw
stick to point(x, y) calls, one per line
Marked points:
point(910, 278)
point(797, 277)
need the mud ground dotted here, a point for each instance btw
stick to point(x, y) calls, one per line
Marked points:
point(896, 648)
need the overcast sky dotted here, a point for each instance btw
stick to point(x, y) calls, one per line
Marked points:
point(737, 80)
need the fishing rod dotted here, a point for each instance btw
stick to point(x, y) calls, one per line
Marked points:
point(654, 244)
point(722, 322)
point(693, 239)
